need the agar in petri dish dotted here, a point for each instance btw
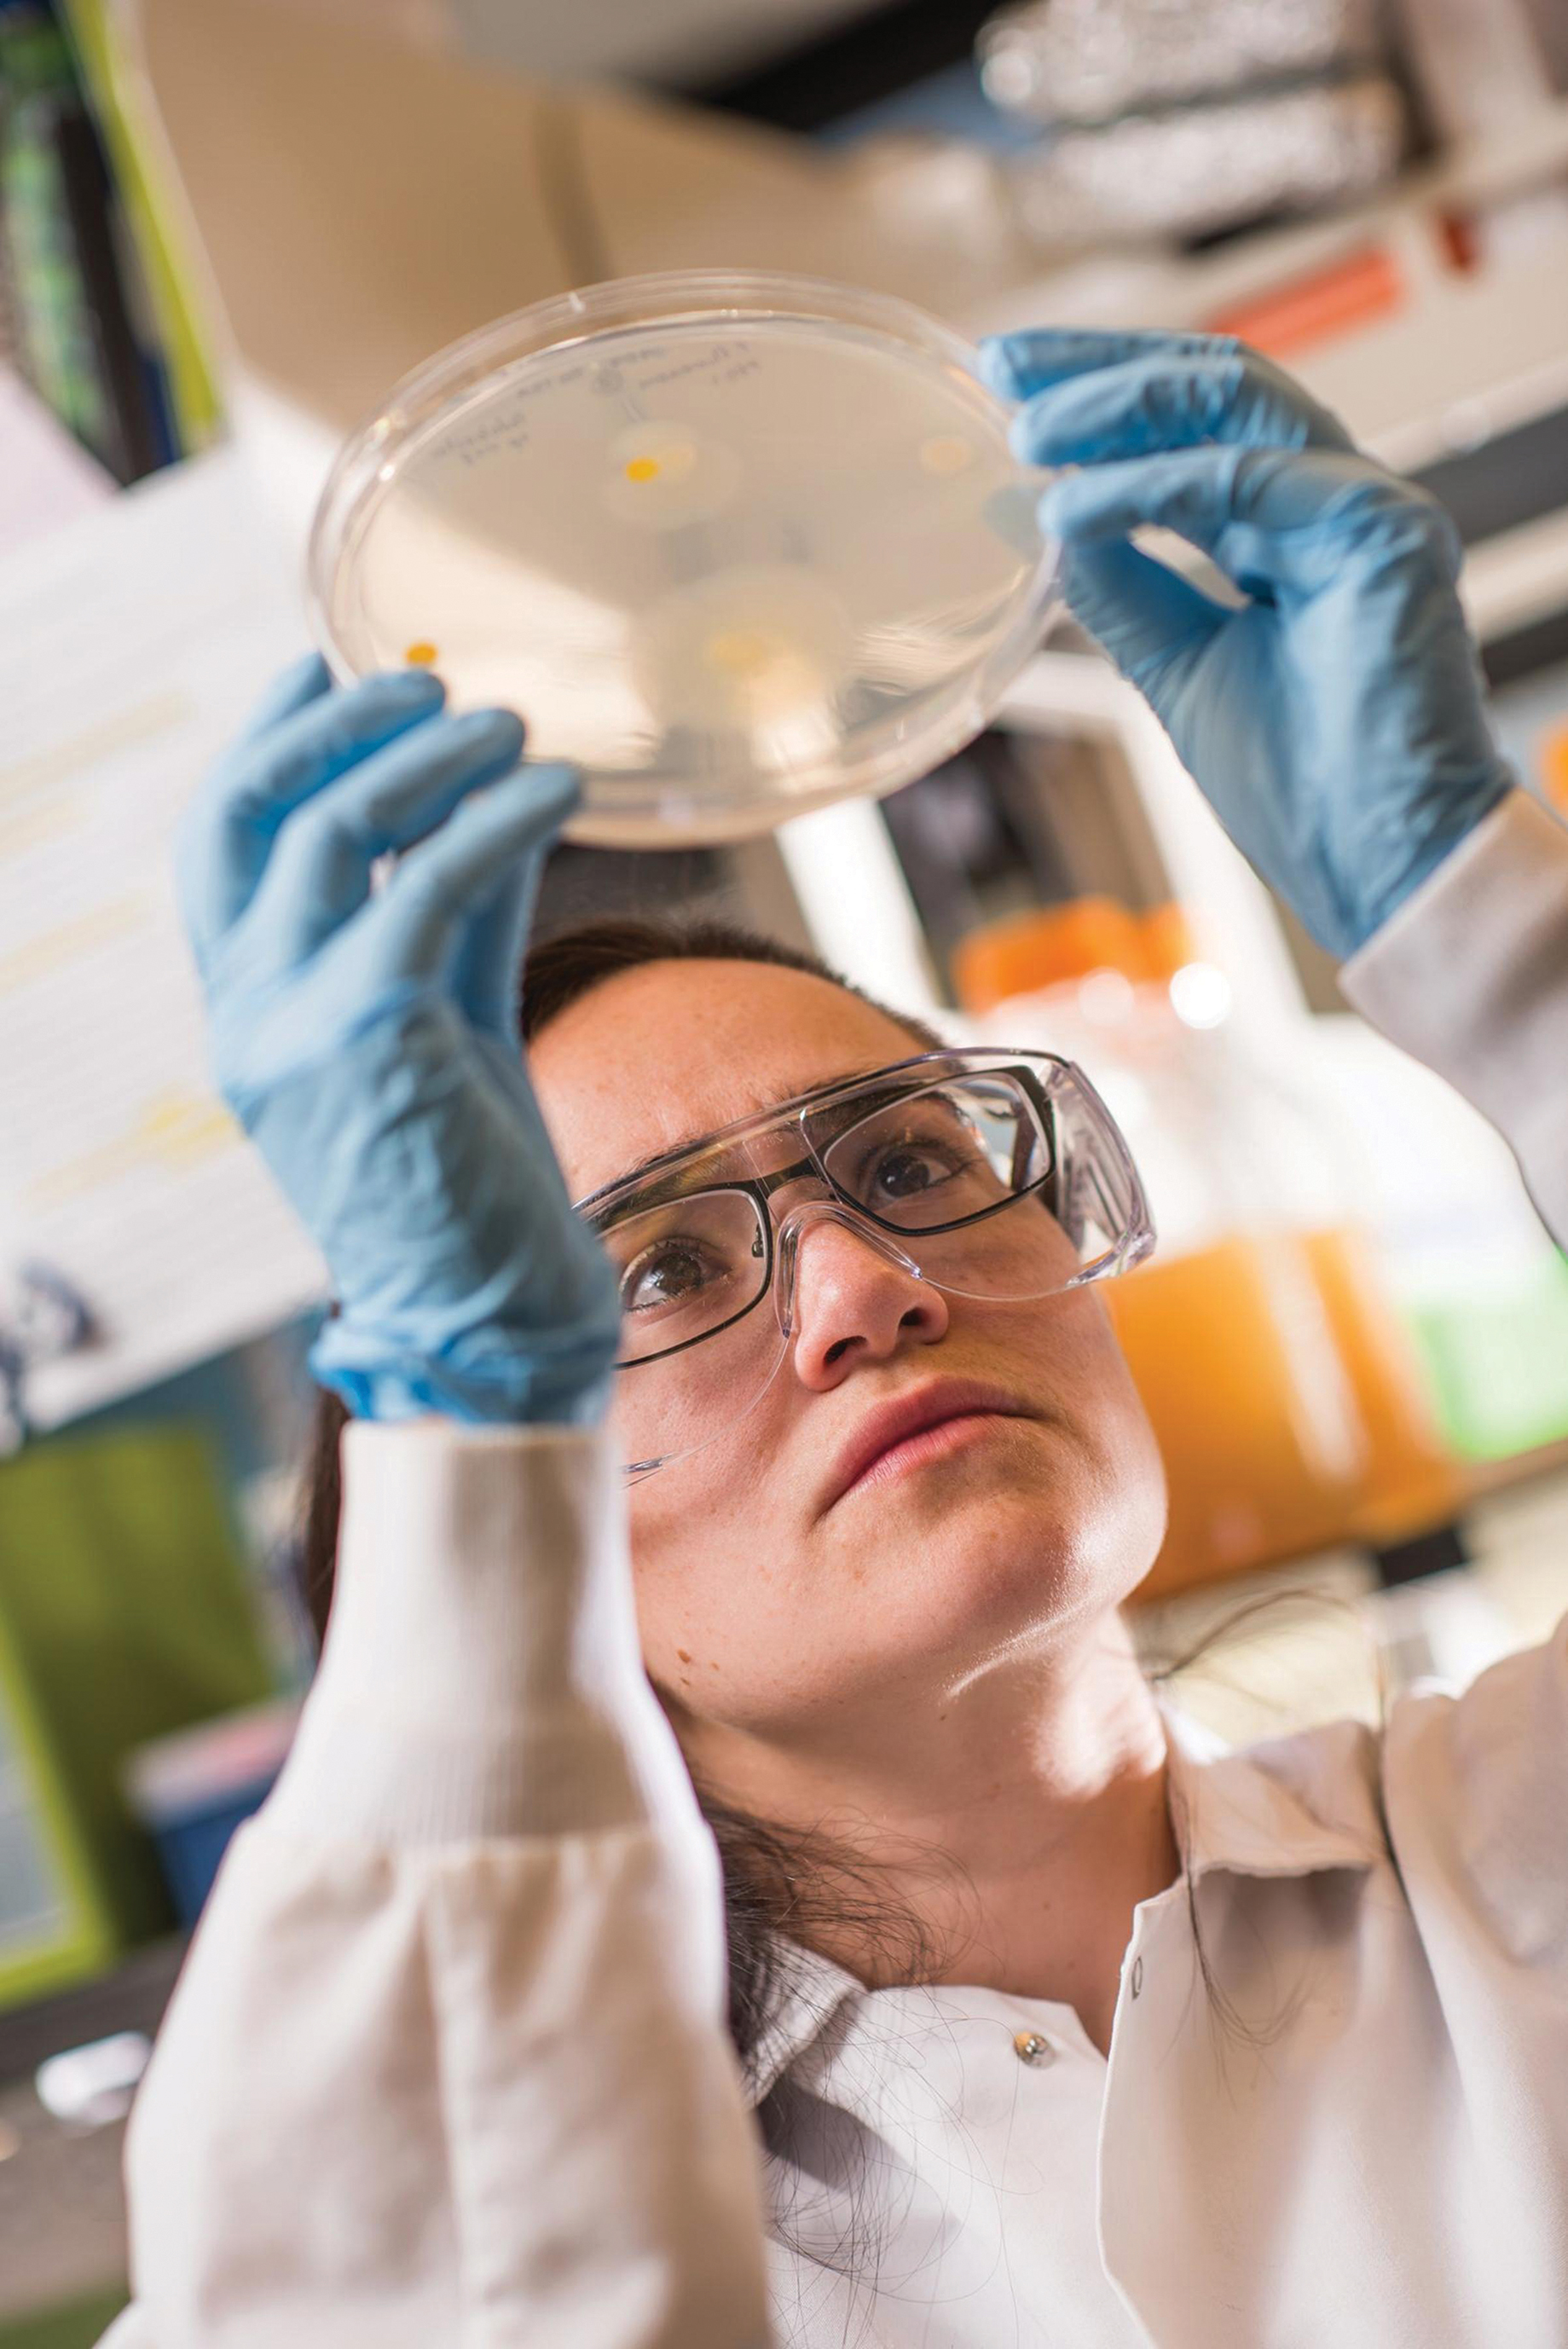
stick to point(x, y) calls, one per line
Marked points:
point(737, 547)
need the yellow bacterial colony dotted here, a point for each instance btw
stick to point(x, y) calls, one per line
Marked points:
point(946, 454)
point(743, 651)
point(664, 477)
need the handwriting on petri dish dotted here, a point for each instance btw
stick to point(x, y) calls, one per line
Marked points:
point(505, 426)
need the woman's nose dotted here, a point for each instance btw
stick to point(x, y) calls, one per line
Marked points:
point(853, 1300)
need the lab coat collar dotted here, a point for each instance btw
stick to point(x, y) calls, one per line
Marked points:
point(815, 1991)
point(1289, 1806)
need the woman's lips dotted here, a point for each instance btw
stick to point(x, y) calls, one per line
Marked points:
point(885, 1440)
point(927, 1445)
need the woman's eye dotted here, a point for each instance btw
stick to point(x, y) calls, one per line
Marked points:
point(668, 1274)
point(906, 1171)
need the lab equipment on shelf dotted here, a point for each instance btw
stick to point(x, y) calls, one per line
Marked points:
point(1166, 123)
point(1087, 61)
point(42, 1318)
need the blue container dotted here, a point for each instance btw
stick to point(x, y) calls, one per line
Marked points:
point(189, 1848)
point(192, 1790)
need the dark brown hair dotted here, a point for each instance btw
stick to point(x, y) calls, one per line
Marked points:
point(778, 1886)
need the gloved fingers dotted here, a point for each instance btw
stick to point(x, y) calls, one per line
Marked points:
point(1017, 366)
point(227, 833)
point(1268, 518)
point(486, 973)
point(302, 682)
point(1139, 609)
point(319, 873)
point(1160, 401)
point(420, 925)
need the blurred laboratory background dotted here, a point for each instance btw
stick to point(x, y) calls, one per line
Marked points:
point(226, 228)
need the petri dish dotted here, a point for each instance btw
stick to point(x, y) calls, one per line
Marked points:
point(736, 545)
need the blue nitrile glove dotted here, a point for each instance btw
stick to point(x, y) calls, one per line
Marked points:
point(368, 1043)
point(1335, 722)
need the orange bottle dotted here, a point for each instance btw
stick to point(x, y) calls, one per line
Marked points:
point(1410, 1479)
point(1554, 767)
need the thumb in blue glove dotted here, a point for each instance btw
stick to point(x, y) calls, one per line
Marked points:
point(368, 1042)
point(1335, 720)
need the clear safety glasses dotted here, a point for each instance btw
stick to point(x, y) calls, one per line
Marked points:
point(996, 1176)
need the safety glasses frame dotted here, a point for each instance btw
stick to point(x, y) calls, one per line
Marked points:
point(1035, 1072)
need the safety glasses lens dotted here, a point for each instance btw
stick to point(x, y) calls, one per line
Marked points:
point(685, 1269)
point(947, 1155)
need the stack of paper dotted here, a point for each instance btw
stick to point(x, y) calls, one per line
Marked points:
point(131, 643)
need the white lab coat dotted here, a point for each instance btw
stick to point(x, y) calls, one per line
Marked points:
point(447, 2064)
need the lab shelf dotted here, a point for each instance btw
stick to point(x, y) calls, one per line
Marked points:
point(130, 1998)
point(1488, 1476)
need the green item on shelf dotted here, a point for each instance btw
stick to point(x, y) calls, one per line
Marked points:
point(79, 2326)
point(58, 346)
point(124, 1612)
point(164, 242)
point(1497, 1359)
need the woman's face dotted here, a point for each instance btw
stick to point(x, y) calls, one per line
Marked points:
point(768, 1601)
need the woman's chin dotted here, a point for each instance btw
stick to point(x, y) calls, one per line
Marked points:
point(1001, 1541)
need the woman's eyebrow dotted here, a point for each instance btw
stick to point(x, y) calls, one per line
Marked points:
point(656, 1158)
point(682, 1181)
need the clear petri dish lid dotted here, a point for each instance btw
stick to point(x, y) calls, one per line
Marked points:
point(737, 547)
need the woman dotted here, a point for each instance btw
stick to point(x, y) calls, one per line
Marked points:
point(1077, 2031)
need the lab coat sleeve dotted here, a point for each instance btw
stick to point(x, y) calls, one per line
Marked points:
point(1471, 976)
point(446, 2062)
point(1475, 1792)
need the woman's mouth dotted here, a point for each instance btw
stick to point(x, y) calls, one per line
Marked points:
point(929, 1443)
point(909, 1431)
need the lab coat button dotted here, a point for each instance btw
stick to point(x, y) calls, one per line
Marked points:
point(1030, 2048)
point(1137, 1976)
